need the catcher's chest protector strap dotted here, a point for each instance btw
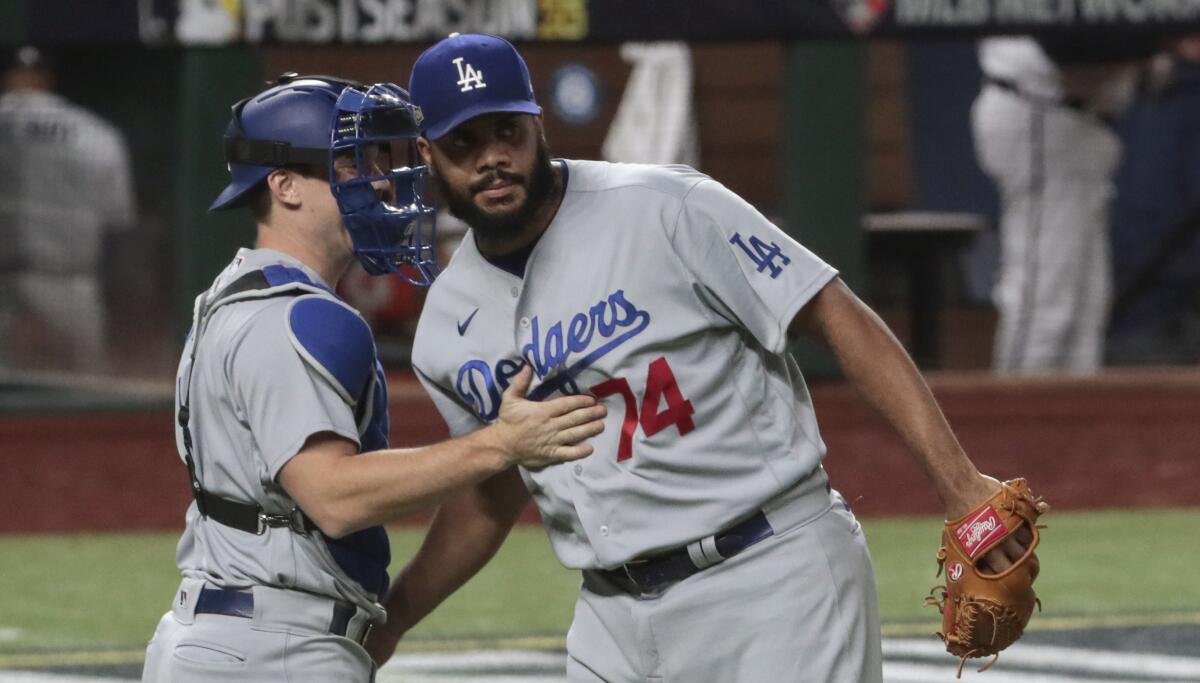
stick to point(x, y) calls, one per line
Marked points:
point(249, 517)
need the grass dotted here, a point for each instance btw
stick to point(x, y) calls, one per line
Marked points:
point(1092, 563)
point(67, 591)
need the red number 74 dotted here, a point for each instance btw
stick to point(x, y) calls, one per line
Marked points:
point(660, 383)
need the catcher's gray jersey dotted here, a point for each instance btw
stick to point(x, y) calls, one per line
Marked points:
point(258, 390)
point(668, 296)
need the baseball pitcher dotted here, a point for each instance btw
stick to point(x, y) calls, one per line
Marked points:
point(711, 545)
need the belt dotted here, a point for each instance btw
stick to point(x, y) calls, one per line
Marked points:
point(1076, 103)
point(233, 603)
point(656, 573)
point(248, 517)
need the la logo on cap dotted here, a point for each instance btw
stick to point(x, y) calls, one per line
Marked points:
point(468, 77)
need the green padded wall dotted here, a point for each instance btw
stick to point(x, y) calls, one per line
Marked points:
point(210, 81)
point(824, 160)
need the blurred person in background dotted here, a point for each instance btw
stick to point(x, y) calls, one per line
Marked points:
point(389, 305)
point(451, 231)
point(65, 186)
point(1156, 217)
point(1042, 126)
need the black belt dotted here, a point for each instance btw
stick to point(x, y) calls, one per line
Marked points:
point(249, 517)
point(653, 574)
point(232, 603)
point(1076, 103)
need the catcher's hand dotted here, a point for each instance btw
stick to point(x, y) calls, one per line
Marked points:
point(984, 610)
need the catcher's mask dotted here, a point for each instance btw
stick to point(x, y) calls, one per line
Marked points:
point(392, 229)
point(311, 121)
point(284, 125)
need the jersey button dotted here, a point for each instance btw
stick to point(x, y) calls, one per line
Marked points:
point(524, 322)
point(579, 469)
point(603, 531)
point(515, 292)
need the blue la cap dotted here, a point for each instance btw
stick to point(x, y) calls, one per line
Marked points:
point(467, 75)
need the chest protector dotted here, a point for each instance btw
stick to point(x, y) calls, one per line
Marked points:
point(348, 361)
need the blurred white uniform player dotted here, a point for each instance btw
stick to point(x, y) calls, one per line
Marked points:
point(1052, 157)
point(64, 183)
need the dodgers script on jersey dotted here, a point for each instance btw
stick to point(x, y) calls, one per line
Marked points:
point(668, 296)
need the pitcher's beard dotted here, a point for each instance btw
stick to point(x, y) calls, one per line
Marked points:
point(494, 226)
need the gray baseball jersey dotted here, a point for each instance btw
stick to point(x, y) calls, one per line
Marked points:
point(64, 183)
point(665, 294)
point(50, 144)
point(268, 374)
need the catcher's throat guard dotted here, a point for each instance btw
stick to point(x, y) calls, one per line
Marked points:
point(984, 612)
point(392, 229)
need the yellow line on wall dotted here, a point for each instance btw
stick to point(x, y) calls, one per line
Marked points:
point(82, 658)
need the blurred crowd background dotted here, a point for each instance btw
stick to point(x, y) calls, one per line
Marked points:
point(1014, 204)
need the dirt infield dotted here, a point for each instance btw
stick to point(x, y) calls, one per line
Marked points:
point(1117, 440)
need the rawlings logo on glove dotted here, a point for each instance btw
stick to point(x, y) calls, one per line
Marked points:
point(978, 533)
point(982, 612)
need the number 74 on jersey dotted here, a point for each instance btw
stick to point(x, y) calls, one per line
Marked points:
point(660, 385)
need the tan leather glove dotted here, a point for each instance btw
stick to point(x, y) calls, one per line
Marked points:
point(983, 613)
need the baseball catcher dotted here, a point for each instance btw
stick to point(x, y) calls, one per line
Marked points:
point(983, 610)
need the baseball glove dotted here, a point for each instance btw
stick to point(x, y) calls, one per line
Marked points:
point(983, 613)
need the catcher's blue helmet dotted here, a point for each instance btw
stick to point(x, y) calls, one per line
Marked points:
point(312, 120)
point(286, 124)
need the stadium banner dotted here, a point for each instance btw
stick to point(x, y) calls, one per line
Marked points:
point(367, 22)
point(907, 19)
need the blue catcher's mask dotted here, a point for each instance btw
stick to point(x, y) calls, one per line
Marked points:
point(392, 230)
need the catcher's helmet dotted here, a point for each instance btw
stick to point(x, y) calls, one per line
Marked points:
point(312, 120)
point(286, 124)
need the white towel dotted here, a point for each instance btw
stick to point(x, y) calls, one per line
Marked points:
point(655, 123)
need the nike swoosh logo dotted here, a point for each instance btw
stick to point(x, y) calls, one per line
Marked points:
point(462, 327)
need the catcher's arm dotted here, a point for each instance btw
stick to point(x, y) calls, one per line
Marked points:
point(881, 371)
